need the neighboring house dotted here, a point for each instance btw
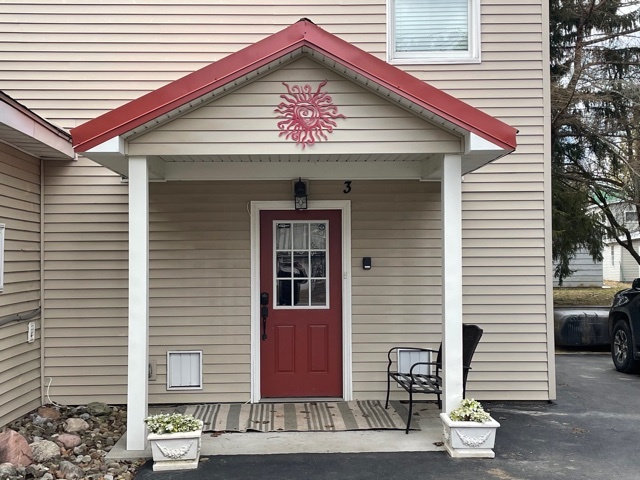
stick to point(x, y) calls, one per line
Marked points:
point(618, 264)
point(587, 272)
point(178, 213)
point(26, 143)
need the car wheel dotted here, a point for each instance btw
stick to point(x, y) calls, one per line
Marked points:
point(622, 349)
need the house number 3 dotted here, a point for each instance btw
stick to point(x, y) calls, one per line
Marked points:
point(347, 186)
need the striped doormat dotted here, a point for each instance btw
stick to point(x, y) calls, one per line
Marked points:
point(300, 417)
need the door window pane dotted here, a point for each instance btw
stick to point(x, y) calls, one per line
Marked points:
point(318, 237)
point(318, 264)
point(300, 235)
point(284, 292)
point(283, 265)
point(318, 292)
point(283, 236)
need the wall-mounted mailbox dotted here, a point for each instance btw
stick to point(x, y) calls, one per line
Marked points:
point(366, 263)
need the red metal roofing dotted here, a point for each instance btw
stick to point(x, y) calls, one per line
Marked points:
point(303, 33)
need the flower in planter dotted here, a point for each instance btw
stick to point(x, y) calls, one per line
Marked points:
point(470, 410)
point(172, 423)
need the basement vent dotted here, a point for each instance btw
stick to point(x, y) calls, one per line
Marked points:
point(184, 370)
point(406, 358)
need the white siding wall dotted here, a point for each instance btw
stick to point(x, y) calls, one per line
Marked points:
point(20, 212)
point(72, 61)
point(587, 272)
point(611, 262)
point(629, 268)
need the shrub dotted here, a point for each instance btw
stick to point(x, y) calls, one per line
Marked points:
point(172, 423)
point(470, 410)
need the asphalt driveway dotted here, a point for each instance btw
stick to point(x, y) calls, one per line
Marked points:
point(590, 432)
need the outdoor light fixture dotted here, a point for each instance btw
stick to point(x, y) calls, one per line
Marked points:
point(300, 195)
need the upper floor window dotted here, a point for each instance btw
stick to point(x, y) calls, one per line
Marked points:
point(630, 217)
point(434, 31)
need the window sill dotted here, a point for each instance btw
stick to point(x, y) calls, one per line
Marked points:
point(434, 61)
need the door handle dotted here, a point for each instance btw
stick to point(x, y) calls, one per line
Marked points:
point(264, 313)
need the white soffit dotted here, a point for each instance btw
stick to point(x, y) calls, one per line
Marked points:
point(23, 129)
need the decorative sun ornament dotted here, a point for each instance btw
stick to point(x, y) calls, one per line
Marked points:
point(308, 115)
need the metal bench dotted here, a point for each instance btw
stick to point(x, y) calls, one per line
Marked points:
point(424, 377)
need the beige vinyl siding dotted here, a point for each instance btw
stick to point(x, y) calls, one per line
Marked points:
point(200, 283)
point(245, 122)
point(200, 288)
point(398, 301)
point(72, 61)
point(85, 280)
point(200, 276)
point(20, 212)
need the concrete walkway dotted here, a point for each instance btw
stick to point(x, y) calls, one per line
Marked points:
point(590, 432)
point(427, 439)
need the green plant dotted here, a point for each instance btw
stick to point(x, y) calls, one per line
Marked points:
point(172, 423)
point(470, 410)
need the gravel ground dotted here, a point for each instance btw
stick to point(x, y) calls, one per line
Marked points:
point(106, 424)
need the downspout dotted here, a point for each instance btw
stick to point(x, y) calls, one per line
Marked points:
point(42, 315)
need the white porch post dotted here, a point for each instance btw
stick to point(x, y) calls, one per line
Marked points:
point(138, 353)
point(451, 198)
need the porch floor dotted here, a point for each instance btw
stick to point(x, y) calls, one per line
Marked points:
point(427, 439)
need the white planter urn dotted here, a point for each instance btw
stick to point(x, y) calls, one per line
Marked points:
point(469, 439)
point(175, 451)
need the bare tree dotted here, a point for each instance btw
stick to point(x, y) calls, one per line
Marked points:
point(595, 68)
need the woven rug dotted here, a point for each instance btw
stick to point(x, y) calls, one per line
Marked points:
point(300, 417)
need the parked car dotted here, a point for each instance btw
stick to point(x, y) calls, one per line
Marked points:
point(624, 329)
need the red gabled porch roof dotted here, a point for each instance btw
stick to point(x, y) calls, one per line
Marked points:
point(303, 33)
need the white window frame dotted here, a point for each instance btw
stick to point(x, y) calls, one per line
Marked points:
point(472, 55)
point(2, 225)
point(274, 303)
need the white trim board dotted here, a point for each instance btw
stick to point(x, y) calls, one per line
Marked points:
point(347, 352)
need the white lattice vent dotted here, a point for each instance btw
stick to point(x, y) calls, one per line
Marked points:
point(184, 370)
point(406, 358)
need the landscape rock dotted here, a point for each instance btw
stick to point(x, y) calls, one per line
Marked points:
point(70, 471)
point(44, 450)
point(14, 449)
point(7, 470)
point(49, 413)
point(100, 434)
point(36, 470)
point(98, 408)
point(75, 425)
point(69, 440)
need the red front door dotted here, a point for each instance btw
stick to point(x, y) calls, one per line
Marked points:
point(301, 271)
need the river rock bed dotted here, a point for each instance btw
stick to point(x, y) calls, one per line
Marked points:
point(71, 443)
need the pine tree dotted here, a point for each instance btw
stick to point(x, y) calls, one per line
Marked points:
point(595, 109)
